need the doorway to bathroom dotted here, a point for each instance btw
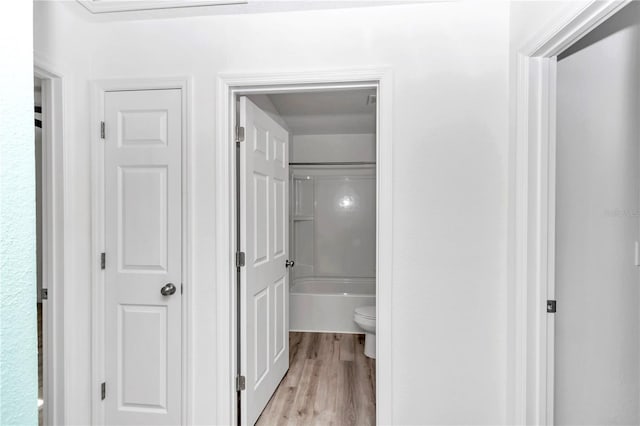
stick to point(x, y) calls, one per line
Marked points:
point(307, 254)
point(41, 287)
point(307, 229)
point(49, 225)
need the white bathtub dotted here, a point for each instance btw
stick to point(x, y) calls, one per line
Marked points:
point(327, 304)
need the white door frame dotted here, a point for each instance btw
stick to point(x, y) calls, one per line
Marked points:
point(53, 199)
point(533, 216)
point(98, 89)
point(231, 85)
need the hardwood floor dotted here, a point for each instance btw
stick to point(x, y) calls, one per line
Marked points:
point(40, 358)
point(329, 382)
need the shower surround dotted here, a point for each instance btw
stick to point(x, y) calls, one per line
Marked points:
point(333, 241)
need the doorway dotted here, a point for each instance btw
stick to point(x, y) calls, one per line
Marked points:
point(307, 234)
point(597, 226)
point(41, 287)
point(546, 197)
point(234, 89)
point(48, 144)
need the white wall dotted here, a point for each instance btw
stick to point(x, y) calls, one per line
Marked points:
point(450, 131)
point(62, 45)
point(264, 103)
point(320, 148)
point(531, 20)
point(597, 224)
point(18, 338)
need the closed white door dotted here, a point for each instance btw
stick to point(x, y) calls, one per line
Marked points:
point(143, 265)
point(264, 225)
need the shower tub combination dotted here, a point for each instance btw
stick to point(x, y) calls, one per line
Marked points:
point(327, 304)
point(333, 241)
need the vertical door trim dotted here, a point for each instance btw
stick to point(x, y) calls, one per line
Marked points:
point(98, 90)
point(54, 188)
point(530, 379)
point(228, 87)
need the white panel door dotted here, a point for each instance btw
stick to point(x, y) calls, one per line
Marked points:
point(264, 229)
point(143, 204)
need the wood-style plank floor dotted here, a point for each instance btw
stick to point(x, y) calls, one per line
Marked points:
point(40, 367)
point(330, 382)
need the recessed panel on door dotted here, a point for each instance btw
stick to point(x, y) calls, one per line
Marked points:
point(279, 217)
point(261, 324)
point(261, 218)
point(143, 218)
point(280, 327)
point(142, 351)
point(261, 142)
point(144, 127)
point(280, 152)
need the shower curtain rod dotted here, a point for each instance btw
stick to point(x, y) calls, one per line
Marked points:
point(335, 163)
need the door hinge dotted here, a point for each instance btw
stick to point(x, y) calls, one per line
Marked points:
point(239, 259)
point(102, 129)
point(103, 260)
point(240, 383)
point(44, 293)
point(239, 134)
point(103, 390)
point(551, 306)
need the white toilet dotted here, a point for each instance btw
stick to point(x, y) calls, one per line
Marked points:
point(365, 317)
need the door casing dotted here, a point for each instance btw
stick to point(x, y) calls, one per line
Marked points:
point(230, 86)
point(98, 89)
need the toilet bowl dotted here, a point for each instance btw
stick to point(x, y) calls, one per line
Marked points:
point(365, 317)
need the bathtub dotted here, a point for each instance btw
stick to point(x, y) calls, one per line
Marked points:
point(327, 304)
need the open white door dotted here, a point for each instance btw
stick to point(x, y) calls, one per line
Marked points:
point(264, 228)
point(143, 265)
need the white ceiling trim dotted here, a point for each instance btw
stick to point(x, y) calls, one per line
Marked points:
point(108, 6)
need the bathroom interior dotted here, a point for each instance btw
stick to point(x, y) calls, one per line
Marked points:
point(332, 242)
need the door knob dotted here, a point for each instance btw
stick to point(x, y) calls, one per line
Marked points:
point(289, 263)
point(168, 289)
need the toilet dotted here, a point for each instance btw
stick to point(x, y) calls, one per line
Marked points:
point(365, 317)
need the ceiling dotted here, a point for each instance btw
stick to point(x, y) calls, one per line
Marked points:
point(338, 112)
